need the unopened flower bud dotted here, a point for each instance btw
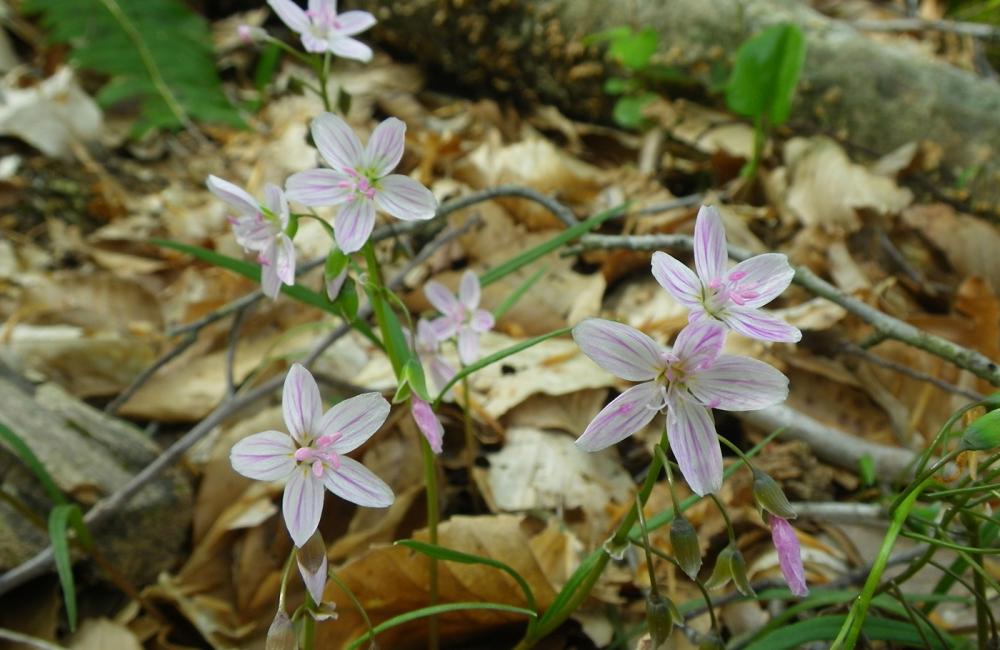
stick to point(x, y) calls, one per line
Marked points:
point(982, 434)
point(730, 565)
point(335, 284)
point(740, 575)
point(770, 496)
point(684, 541)
point(660, 617)
point(311, 558)
point(281, 634)
point(250, 34)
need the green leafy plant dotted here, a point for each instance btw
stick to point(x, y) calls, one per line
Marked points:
point(762, 83)
point(156, 52)
point(633, 51)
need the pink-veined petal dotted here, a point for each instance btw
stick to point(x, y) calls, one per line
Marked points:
point(354, 22)
point(270, 283)
point(482, 321)
point(758, 324)
point(786, 542)
point(621, 350)
point(469, 291)
point(302, 504)
point(335, 284)
point(734, 383)
point(356, 419)
point(356, 483)
point(291, 14)
point(319, 187)
point(710, 254)
point(385, 146)
point(679, 281)
point(275, 201)
point(441, 372)
point(320, 7)
point(284, 260)
point(301, 404)
point(442, 299)
point(253, 232)
point(760, 279)
point(354, 224)
point(404, 198)
point(266, 456)
point(428, 423)
point(427, 338)
point(699, 343)
point(315, 581)
point(626, 414)
point(468, 345)
point(691, 432)
point(314, 44)
point(337, 142)
point(349, 48)
point(445, 327)
point(232, 195)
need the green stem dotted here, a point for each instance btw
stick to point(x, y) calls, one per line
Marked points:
point(332, 575)
point(470, 438)
point(309, 624)
point(654, 589)
point(982, 626)
point(431, 488)
point(725, 516)
point(323, 77)
point(284, 580)
point(739, 452)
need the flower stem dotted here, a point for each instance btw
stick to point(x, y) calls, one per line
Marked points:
point(324, 75)
point(470, 438)
point(431, 488)
point(739, 452)
point(284, 580)
point(309, 624)
point(725, 516)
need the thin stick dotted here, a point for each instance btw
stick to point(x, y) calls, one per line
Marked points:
point(859, 351)
point(975, 30)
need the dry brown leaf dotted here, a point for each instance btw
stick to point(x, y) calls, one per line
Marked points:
point(393, 580)
point(970, 244)
point(569, 413)
point(103, 634)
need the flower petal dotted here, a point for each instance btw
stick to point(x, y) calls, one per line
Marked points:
point(385, 147)
point(789, 555)
point(350, 23)
point(442, 299)
point(275, 201)
point(405, 198)
point(441, 372)
point(313, 44)
point(469, 291)
point(302, 504)
point(758, 324)
point(315, 581)
point(337, 142)
point(445, 327)
point(319, 187)
point(270, 283)
point(284, 260)
point(699, 343)
point(710, 254)
point(356, 483)
point(266, 456)
point(679, 281)
point(354, 224)
point(621, 350)
point(253, 232)
point(291, 14)
point(626, 414)
point(232, 195)
point(350, 48)
point(428, 423)
point(735, 383)
point(301, 404)
point(356, 419)
point(691, 432)
point(468, 345)
point(482, 321)
point(760, 279)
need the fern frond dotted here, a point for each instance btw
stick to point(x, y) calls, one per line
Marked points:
point(157, 52)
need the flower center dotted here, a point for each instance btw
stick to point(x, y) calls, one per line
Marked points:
point(319, 454)
point(718, 293)
point(361, 183)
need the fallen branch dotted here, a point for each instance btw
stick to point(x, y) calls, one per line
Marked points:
point(975, 30)
point(885, 325)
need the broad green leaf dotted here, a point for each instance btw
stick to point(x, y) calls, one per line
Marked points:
point(627, 111)
point(762, 83)
point(447, 554)
point(633, 50)
point(617, 85)
point(413, 375)
point(28, 457)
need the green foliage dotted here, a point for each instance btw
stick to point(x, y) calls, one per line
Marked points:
point(61, 518)
point(983, 434)
point(156, 52)
point(766, 72)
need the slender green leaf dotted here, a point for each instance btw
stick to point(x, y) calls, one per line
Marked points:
point(569, 589)
point(497, 356)
point(518, 293)
point(547, 247)
point(424, 612)
point(442, 553)
point(825, 628)
point(29, 458)
point(59, 522)
point(763, 80)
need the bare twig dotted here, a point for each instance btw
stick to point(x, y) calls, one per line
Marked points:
point(29, 641)
point(842, 513)
point(144, 376)
point(975, 30)
point(884, 324)
point(660, 208)
point(859, 351)
point(234, 336)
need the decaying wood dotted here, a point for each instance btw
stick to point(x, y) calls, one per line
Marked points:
point(89, 455)
point(875, 95)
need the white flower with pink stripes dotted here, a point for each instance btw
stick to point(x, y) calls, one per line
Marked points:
point(461, 317)
point(311, 456)
point(732, 296)
point(686, 381)
point(322, 29)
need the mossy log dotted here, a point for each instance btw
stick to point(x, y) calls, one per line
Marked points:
point(872, 94)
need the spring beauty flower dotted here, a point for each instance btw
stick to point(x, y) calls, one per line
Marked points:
point(461, 317)
point(686, 381)
point(734, 296)
point(359, 180)
point(311, 455)
point(262, 229)
point(789, 555)
point(428, 348)
point(428, 423)
point(324, 30)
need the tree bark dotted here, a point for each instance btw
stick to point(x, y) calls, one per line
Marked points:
point(877, 96)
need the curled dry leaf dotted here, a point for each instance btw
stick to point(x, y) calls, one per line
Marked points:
point(970, 244)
